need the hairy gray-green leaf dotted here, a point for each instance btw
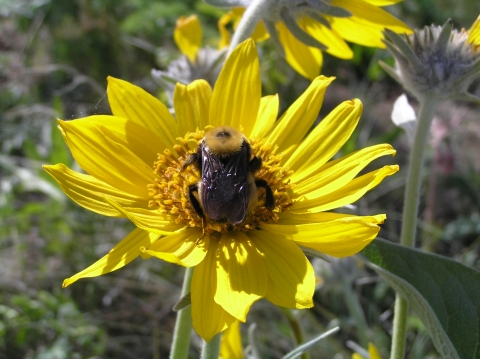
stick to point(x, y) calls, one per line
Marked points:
point(443, 293)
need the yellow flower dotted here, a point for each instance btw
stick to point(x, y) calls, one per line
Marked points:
point(302, 29)
point(235, 265)
point(372, 352)
point(197, 63)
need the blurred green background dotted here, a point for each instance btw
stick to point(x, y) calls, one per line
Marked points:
point(55, 56)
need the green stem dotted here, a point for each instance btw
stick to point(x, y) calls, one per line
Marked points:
point(251, 17)
point(399, 328)
point(211, 349)
point(410, 212)
point(183, 324)
point(356, 311)
point(296, 329)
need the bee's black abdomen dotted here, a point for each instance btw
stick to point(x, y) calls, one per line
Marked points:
point(224, 192)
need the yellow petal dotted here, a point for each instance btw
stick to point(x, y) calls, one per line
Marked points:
point(260, 33)
point(241, 274)
point(231, 344)
point(181, 248)
point(237, 92)
point(149, 220)
point(188, 36)
point(208, 318)
point(325, 140)
point(306, 60)
point(88, 192)
point(356, 356)
point(267, 115)
point(192, 104)
point(123, 253)
point(134, 103)
point(338, 173)
point(366, 24)
point(336, 45)
point(382, 2)
point(291, 278)
point(345, 195)
point(105, 159)
point(135, 137)
point(305, 218)
point(474, 33)
point(372, 350)
point(340, 237)
point(300, 116)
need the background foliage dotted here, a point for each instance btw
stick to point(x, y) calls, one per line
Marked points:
point(54, 58)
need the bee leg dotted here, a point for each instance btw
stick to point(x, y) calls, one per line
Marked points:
point(194, 201)
point(255, 164)
point(196, 206)
point(269, 200)
point(204, 222)
point(193, 158)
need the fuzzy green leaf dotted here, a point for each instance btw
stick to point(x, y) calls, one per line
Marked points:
point(443, 293)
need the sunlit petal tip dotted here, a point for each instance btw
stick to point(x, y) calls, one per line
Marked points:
point(393, 168)
point(113, 81)
point(67, 282)
point(326, 79)
point(322, 81)
point(144, 254)
point(379, 218)
point(357, 102)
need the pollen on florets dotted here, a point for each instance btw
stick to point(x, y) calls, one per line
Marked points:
point(436, 60)
point(169, 193)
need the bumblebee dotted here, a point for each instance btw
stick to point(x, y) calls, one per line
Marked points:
point(227, 189)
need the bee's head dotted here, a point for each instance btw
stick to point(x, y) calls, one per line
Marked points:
point(224, 141)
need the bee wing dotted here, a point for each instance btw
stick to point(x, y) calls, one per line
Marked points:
point(224, 190)
point(236, 170)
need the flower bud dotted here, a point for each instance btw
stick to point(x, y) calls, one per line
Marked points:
point(437, 60)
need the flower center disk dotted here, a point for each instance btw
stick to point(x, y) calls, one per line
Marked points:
point(169, 193)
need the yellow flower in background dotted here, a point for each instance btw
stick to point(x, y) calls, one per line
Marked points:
point(234, 16)
point(135, 159)
point(231, 344)
point(188, 36)
point(196, 63)
point(302, 29)
point(372, 352)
